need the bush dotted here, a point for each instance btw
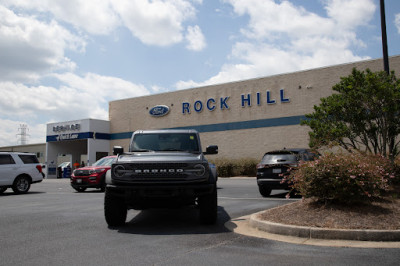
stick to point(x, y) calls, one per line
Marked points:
point(343, 178)
point(236, 167)
point(396, 180)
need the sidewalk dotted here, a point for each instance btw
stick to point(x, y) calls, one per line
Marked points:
point(252, 226)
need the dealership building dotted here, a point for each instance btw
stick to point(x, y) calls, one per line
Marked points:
point(244, 118)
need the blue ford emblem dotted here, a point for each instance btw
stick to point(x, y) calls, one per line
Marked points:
point(159, 110)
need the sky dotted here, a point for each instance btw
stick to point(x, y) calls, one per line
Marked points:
point(66, 60)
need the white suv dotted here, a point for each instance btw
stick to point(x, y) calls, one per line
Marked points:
point(19, 170)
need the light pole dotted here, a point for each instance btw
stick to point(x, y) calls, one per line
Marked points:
point(384, 38)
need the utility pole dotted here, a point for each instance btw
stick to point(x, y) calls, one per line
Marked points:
point(23, 134)
point(384, 38)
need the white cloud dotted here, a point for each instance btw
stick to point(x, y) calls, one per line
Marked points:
point(104, 87)
point(397, 22)
point(30, 48)
point(95, 17)
point(155, 22)
point(282, 37)
point(270, 20)
point(350, 14)
point(195, 38)
point(78, 97)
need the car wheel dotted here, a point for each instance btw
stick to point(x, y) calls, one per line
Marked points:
point(264, 191)
point(2, 189)
point(21, 185)
point(208, 206)
point(115, 210)
point(80, 189)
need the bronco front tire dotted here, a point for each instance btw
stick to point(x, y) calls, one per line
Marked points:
point(115, 209)
point(208, 206)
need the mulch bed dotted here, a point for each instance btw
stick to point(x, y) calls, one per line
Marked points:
point(380, 215)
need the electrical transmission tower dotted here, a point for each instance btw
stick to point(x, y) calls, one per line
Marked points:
point(22, 135)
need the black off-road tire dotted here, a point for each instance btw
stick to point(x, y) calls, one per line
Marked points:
point(115, 210)
point(21, 184)
point(264, 191)
point(208, 206)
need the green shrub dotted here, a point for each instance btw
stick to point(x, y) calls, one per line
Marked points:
point(236, 167)
point(343, 178)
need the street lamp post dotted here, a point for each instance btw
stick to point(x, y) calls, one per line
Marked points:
point(384, 38)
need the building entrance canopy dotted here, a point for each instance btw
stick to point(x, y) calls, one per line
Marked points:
point(86, 138)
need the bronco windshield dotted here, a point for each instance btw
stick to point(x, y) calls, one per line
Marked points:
point(165, 142)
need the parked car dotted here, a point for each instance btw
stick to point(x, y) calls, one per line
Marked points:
point(92, 176)
point(275, 165)
point(18, 171)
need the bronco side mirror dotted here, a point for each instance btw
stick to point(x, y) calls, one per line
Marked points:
point(118, 150)
point(212, 149)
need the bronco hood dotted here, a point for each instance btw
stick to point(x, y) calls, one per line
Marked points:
point(162, 157)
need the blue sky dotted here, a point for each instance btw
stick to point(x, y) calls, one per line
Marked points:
point(65, 60)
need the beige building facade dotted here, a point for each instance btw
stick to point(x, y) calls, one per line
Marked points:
point(38, 149)
point(246, 118)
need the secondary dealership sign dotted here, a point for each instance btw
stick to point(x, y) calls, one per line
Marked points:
point(67, 137)
point(68, 127)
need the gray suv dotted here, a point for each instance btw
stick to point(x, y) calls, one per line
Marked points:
point(275, 165)
point(163, 169)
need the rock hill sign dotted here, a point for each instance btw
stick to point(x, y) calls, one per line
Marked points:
point(247, 100)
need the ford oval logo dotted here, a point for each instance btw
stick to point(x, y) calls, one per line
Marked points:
point(159, 110)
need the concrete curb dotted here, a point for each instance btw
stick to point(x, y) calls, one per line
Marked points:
point(322, 233)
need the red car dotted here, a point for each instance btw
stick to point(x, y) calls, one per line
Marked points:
point(92, 176)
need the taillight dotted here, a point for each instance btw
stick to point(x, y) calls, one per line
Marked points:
point(39, 168)
point(260, 165)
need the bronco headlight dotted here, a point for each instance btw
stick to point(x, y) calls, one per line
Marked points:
point(119, 170)
point(198, 170)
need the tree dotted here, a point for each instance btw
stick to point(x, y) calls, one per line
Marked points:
point(363, 115)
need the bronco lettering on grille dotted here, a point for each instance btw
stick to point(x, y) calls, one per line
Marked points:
point(156, 171)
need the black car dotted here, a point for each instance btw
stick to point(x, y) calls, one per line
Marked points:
point(275, 164)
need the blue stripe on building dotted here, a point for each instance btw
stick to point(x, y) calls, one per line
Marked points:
point(76, 136)
point(123, 135)
point(261, 123)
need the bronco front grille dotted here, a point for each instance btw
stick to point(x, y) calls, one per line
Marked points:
point(151, 171)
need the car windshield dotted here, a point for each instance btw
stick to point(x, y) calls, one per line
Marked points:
point(279, 158)
point(64, 164)
point(166, 142)
point(106, 161)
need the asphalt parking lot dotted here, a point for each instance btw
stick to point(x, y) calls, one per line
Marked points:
point(54, 225)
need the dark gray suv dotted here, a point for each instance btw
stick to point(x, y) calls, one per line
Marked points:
point(275, 165)
point(163, 169)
